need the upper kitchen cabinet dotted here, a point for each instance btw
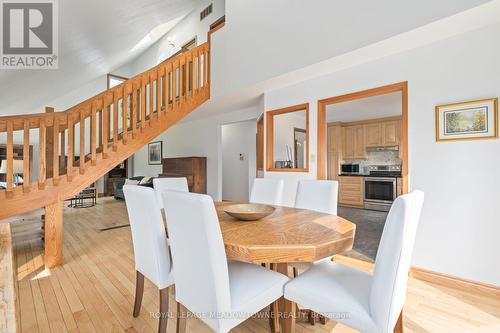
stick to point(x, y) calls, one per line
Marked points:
point(383, 133)
point(373, 135)
point(354, 143)
point(391, 133)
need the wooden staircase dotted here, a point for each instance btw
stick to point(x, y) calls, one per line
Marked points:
point(103, 131)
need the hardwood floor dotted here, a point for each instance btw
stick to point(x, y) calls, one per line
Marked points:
point(94, 290)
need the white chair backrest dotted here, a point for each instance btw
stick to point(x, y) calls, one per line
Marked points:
point(318, 195)
point(267, 191)
point(198, 254)
point(393, 260)
point(164, 184)
point(151, 251)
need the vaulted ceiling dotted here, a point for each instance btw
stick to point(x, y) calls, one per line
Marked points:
point(95, 37)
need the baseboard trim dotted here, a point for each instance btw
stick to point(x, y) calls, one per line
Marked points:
point(455, 282)
point(421, 274)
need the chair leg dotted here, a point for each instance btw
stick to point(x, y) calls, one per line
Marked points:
point(399, 324)
point(181, 318)
point(295, 272)
point(162, 326)
point(139, 291)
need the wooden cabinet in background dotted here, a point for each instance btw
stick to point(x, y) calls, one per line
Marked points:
point(351, 191)
point(193, 168)
point(333, 163)
point(391, 133)
point(354, 143)
point(373, 135)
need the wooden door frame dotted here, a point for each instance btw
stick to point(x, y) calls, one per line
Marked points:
point(322, 125)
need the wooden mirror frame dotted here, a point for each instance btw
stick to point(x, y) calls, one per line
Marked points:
point(270, 137)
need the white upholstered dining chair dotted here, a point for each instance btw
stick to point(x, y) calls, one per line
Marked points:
point(317, 195)
point(221, 293)
point(173, 183)
point(370, 304)
point(267, 191)
point(151, 250)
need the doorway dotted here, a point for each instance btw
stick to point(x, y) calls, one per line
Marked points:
point(363, 144)
point(238, 159)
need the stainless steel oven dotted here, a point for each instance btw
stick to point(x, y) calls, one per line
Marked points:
point(381, 186)
point(380, 192)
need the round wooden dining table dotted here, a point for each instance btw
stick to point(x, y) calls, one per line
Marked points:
point(288, 235)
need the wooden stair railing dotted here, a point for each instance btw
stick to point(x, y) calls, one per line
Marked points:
point(105, 129)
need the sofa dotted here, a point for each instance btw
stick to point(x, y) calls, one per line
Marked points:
point(118, 186)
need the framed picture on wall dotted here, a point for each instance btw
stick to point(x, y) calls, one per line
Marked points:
point(155, 153)
point(467, 121)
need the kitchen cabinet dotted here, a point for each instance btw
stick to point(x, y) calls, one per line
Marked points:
point(354, 143)
point(351, 191)
point(333, 164)
point(373, 135)
point(334, 143)
point(391, 133)
point(383, 134)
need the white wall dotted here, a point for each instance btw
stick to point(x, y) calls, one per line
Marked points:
point(185, 30)
point(195, 138)
point(263, 39)
point(460, 221)
point(238, 138)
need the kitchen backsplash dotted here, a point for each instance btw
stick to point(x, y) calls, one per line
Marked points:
point(385, 157)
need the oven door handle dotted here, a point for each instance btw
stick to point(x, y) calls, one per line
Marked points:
point(380, 179)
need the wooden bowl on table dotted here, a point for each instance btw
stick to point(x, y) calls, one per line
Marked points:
point(249, 212)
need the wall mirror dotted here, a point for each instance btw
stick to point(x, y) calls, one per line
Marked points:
point(287, 139)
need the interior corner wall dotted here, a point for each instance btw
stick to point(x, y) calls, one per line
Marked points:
point(459, 226)
point(200, 137)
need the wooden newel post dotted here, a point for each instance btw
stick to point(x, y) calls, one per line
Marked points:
point(54, 234)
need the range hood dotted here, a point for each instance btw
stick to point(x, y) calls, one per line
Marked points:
point(392, 148)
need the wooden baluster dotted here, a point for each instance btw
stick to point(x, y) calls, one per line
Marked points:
point(174, 86)
point(208, 64)
point(55, 151)
point(101, 119)
point(181, 80)
point(105, 126)
point(133, 110)
point(205, 67)
point(190, 72)
point(143, 102)
point(41, 155)
point(62, 160)
point(151, 100)
point(166, 87)
point(71, 148)
point(198, 68)
point(93, 125)
point(10, 156)
point(158, 94)
point(125, 114)
point(26, 157)
point(116, 108)
point(81, 163)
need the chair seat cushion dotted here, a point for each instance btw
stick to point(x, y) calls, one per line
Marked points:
point(335, 291)
point(253, 287)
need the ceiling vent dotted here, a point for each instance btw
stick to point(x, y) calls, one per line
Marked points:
point(205, 12)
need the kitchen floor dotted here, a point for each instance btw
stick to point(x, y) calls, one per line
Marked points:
point(369, 227)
